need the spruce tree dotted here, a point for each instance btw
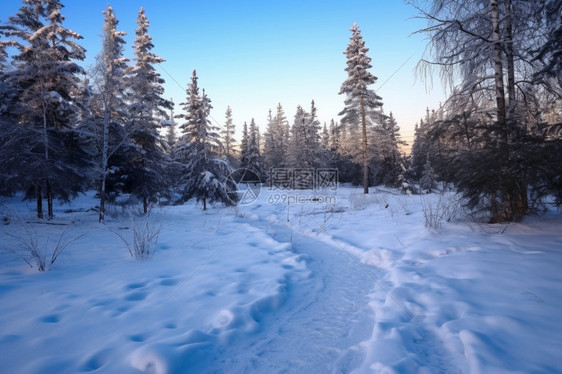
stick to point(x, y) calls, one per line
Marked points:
point(297, 142)
point(362, 105)
point(227, 135)
point(46, 80)
point(388, 142)
point(146, 107)
point(171, 136)
point(252, 159)
point(428, 181)
point(244, 146)
point(276, 140)
point(205, 175)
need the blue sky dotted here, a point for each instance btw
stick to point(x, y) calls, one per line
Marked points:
point(252, 55)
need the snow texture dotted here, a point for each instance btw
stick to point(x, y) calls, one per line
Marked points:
point(358, 286)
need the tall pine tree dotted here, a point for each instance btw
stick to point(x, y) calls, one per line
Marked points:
point(362, 105)
point(47, 150)
point(146, 107)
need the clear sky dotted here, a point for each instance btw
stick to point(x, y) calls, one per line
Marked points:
point(252, 55)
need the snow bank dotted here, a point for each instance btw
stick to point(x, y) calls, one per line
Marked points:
point(211, 281)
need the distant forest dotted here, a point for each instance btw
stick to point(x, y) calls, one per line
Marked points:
point(497, 139)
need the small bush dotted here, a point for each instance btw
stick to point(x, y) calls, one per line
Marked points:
point(35, 254)
point(444, 208)
point(143, 239)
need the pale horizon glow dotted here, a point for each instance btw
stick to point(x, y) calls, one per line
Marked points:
point(252, 55)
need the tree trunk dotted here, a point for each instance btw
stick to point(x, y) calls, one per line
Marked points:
point(365, 163)
point(145, 204)
point(204, 204)
point(513, 188)
point(39, 202)
point(49, 192)
point(502, 211)
point(106, 120)
point(519, 201)
point(509, 57)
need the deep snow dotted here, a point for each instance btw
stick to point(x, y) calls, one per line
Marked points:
point(357, 285)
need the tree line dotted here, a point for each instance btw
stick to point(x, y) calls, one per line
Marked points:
point(65, 130)
point(497, 138)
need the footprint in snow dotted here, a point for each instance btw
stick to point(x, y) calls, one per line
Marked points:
point(52, 318)
point(168, 282)
point(136, 296)
point(134, 286)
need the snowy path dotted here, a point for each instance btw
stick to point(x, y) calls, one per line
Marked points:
point(341, 318)
point(324, 319)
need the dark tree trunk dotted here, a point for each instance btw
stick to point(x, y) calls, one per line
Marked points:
point(364, 150)
point(39, 202)
point(105, 156)
point(204, 204)
point(145, 204)
point(50, 214)
point(519, 201)
point(102, 201)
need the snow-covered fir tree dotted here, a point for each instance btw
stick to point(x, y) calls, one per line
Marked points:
point(314, 155)
point(227, 135)
point(325, 138)
point(388, 162)
point(146, 107)
point(428, 181)
point(171, 136)
point(244, 144)
point(48, 151)
point(362, 104)
point(297, 142)
point(276, 140)
point(252, 156)
point(205, 175)
point(305, 150)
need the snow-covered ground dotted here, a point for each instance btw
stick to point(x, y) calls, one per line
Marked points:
point(353, 285)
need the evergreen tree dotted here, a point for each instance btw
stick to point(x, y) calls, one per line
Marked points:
point(314, 155)
point(362, 105)
point(297, 142)
point(205, 173)
point(40, 94)
point(428, 181)
point(253, 159)
point(244, 146)
point(387, 142)
point(171, 136)
point(276, 140)
point(146, 107)
point(325, 139)
point(305, 150)
point(228, 135)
